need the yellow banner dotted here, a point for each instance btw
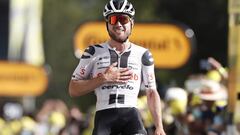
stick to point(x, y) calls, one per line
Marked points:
point(234, 60)
point(170, 45)
point(18, 79)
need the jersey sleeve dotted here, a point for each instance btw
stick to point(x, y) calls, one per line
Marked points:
point(148, 74)
point(85, 66)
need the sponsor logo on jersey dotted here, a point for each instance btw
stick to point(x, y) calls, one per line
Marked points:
point(150, 85)
point(105, 57)
point(129, 87)
point(100, 63)
point(82, 71)
point(133, 67)
point(102, 67)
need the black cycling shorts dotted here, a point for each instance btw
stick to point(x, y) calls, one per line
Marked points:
point(118, 121)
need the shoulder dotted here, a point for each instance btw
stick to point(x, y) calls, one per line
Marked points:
point(138, 48)
point(147, 58)
point(146, 55)
point(92, 50)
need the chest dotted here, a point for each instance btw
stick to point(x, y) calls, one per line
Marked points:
point(125, 60)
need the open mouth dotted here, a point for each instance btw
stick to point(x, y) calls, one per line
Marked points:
point(118, 30)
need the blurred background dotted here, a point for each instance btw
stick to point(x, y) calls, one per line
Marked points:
point(60, 19)
point(40, 35)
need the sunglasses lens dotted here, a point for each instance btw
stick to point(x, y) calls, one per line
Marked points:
point(123, 19)
point(112, 20)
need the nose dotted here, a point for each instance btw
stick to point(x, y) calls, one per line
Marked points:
point(118, 23)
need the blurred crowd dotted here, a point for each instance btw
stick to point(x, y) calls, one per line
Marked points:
point(198, 108)
point(53, 118)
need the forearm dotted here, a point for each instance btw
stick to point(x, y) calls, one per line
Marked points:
point(81, 87)
point(111, 75)
point(154, 104)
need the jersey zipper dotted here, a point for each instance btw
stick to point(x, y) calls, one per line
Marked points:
point(118, 66)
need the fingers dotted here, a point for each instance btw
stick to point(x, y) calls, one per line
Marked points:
point(126, 76)
point(113, 65)
point(116, 75)
point(125, 73)
point(111, 68)
point(214, 62)
point(122, 70)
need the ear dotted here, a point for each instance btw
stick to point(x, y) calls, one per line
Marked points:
point(107, 25)
point(132, 23)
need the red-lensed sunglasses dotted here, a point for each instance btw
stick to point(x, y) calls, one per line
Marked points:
point(123, 19)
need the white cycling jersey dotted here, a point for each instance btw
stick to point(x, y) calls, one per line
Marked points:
point(95, 61)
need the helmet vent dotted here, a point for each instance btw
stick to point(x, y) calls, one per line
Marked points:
point(118, 4)
point(118, 7)
point(109, 7)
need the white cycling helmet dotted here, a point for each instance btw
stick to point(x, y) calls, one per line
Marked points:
point(118, 6)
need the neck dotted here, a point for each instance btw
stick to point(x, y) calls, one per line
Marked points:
point(120, 47)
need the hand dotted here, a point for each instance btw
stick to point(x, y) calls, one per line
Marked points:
point(159, 131)
point(115, 75)
point(214, 63)
point(217, 65)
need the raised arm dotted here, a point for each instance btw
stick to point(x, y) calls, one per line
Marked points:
point(218, 66)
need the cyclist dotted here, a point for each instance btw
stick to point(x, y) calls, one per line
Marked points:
point(115, 70)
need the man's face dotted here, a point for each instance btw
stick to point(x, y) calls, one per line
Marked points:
point(119, 27)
